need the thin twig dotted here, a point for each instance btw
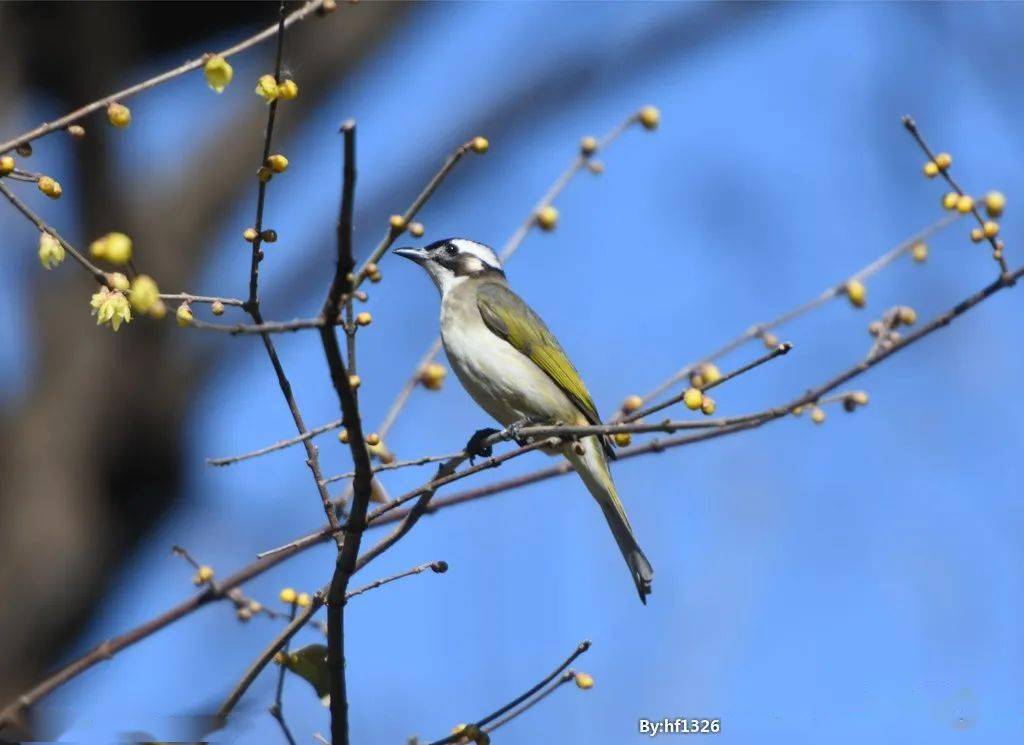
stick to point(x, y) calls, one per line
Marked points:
point(438, 567)
point(277, 708)
point(758, 331)
point(583, 647)
point(122, 95)
point(276, 446)
point(997, 247)
point(565, 678)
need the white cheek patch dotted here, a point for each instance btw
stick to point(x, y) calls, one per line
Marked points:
point(479, 250)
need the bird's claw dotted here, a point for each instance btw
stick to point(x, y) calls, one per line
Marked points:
point(514, 431)
point(476, 447)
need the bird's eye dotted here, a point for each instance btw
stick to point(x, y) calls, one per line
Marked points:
point(451, 250)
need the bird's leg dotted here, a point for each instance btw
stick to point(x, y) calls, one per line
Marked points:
point(476, 447)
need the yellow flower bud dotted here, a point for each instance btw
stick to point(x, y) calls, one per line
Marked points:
point(622, 439)
point(184, 315)
point(977, 235)
point(964, 204)
point(217, 308)
point(250, 235)
point(770, 340)
point(111, 308)
point(51, 252)
point(797, 410)
point(373, 439)
point(288, 90)
point(255, 606)
point(244, 614)
point(547, 218)
point(145, 293)
point(906, 315)
point(931, 170)
point(364, 319)
point(693, 399)
point(859, 397)
point(817, 415)
point(375, 277)
point(205, 574)
point(949, 200)
point(303, 600)
point(343, 436)
point(416, 229)
point(6, 165)
point(583, 681)
point(588, 146)
point(117, 248)
point(159, 310)
point(919, 251)
point(995, 202)
point(707, 406)
point(277, 163)
point(710, 372)
point(266, 88)
point(354, 382)
point(857, 293)
point(49, 187)
point(119, 115)
point(288, 596)
point(631, 404)
point(432, 376)
point(218, 73)
point(118, 281)
point(650, 117)
point(480, 145)
point(76, 130)
point(397, 222)
point(943, 161)
point(991, 229)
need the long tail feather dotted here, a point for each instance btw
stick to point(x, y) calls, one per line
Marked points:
point(593, 469)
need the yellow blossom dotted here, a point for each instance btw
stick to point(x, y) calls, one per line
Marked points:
point(118, 248)
point(119, 115)
point(622, 439)
point(50, 187)
point(547, 218)
point(184, 315)
point(145, 294)
point(288, 595)
point(111, 308)
point(288, 90)
point(919, 251)
point(995, 203)
point(584, 680)
point(857, 293)
point(693, 399)
point(266, 88)
point(480, 145)
point(303, 600)
point(6, 165)
point(649, 117)
point(277, 163)
point(218, 73)
point(964, 204)
point(51, 252)
point(432, 376)
point(118, 281)
point(217, 308)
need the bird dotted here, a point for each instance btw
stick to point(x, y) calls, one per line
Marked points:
point(513, 367)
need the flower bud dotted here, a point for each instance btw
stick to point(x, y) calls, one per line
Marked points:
point(650, 117)
point(288, 90)
point(119, 115)
point(51, 251)
point(267, 89)
point(218, 73)
point(480, 145)
point(547, 218)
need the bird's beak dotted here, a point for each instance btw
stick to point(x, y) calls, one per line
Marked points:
point(413, 254)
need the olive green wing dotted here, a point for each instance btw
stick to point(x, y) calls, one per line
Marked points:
point(508, 317)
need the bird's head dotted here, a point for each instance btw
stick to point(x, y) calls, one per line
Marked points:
point(451, 261)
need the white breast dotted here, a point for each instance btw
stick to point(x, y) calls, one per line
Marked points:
point(503, 381)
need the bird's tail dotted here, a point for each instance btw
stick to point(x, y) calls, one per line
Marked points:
point(593, 469)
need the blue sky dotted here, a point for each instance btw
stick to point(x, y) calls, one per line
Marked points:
point(811, 583)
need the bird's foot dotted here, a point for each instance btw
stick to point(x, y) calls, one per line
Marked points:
point(476, 447)
point(513, 430)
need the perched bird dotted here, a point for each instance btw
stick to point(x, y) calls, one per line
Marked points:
point(515, 369)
